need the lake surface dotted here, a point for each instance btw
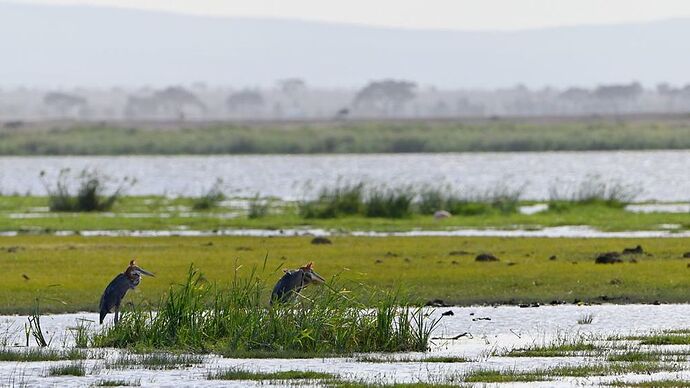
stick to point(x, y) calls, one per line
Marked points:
point(650, 175)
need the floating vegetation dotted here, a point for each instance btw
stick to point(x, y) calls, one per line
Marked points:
point(117, 383)
point(200, 316)
point(433, 359)
point(41, 354)
point(562, 348)
point(240, 374)
point(72, 369)
point(511, 375)
point(157, 360)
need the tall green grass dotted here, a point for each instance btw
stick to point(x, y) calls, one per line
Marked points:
point(334, 202)
point(591, 191)
point(210, 198)
point(90, 195)
point(236, 319)
point(401, 202)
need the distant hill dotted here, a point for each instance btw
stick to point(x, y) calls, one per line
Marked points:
point(65, 46)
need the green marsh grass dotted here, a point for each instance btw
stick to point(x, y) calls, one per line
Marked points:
point(117, 383)
point(428, 359)
point(235, 319)
point(241, 374)
point(88, 263)
point(511, 375)
point(158, 213)
point(562, 346)
point(388, 203)
point(156, 360)
point(591, 191)
point(339, 201)
point(667, 383)
point(90, 195)
point(648, 356)
point(210, 198)
point(72, 369)
point(41, 354)
point(258, 207)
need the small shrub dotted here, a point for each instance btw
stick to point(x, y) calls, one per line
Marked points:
point(258, 208)
point(388, 203)
point(73, 369)
point(585, 319)
point(591, 191)
point(240, 374)
point(80, 333)
point(211, 198)
point(90, 195)
point(333, 203)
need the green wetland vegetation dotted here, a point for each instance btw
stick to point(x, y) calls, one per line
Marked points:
point(597, 133)
point(200, 316)
point(73, 270)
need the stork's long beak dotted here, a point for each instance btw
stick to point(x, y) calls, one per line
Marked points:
point(317, 278)
point(147, 273)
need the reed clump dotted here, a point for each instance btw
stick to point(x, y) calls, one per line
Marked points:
point(236, 320)
point(90, 195)
point(402, 202)
point(211, 198)
point(591, 191)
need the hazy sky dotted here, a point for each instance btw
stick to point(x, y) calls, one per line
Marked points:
point(449, 14)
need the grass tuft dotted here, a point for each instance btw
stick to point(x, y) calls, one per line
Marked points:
point(156, 361)
point(211, 198)
point(73, 369)
point(240, 374)
point(200, 316)
point(117, 383)
point(41, 354)
point(586, 319)
point(90, 195)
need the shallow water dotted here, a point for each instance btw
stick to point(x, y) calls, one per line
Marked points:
point(573, 231)
point(653, 175)
point(509, 327)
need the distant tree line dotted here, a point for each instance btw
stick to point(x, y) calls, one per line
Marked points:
point(384, 98)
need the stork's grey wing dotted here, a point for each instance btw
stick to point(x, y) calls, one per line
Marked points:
point(291, 281)
point(114, 293)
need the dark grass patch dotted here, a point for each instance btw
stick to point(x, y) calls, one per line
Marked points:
point(73, 369)
point(652, 384)
point(497, 376)
point(556, 350)
point(117, 383)
point(354, 384)
point(277, 354)
point(239, 374)
point(438, 359)
point(155, 361)
point(650, 356)
point(505, 376)
point(40, 354)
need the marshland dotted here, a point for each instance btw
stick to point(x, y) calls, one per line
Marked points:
point(393, 269)
point(390, 194)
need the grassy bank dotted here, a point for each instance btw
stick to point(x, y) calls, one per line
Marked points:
point(351, 137)
point(73, 271)
point(30, 214)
